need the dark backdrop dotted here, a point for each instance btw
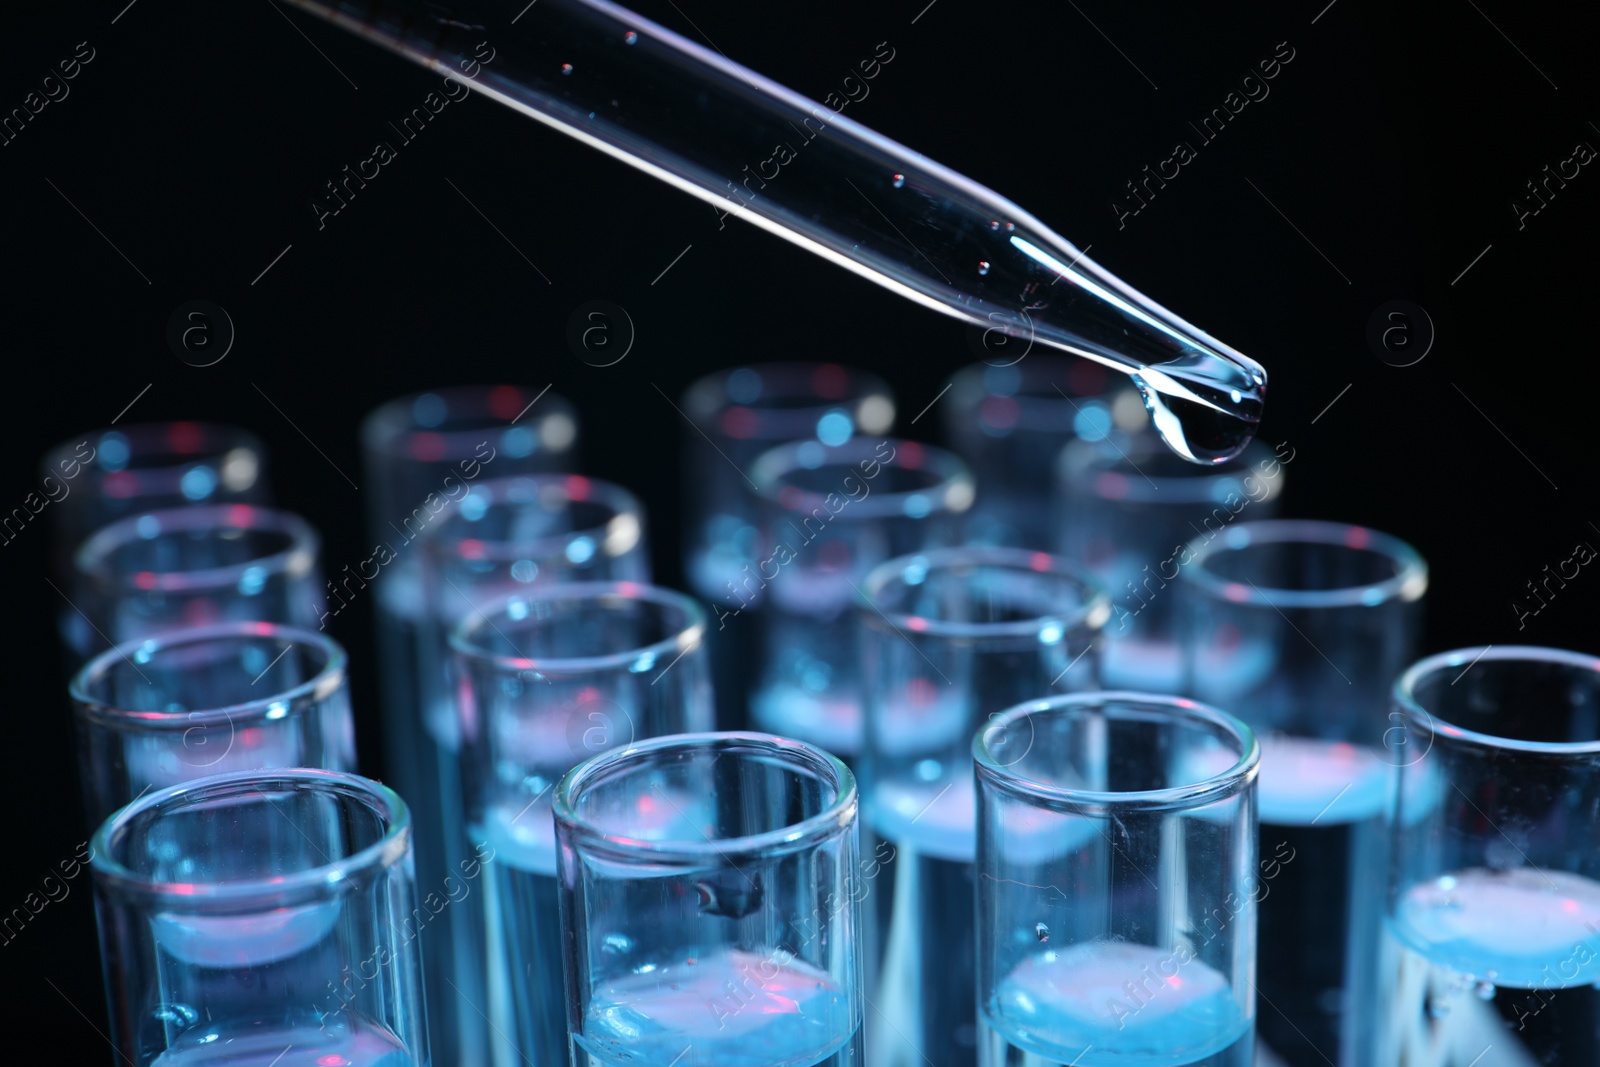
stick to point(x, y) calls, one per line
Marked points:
point(1384, 165)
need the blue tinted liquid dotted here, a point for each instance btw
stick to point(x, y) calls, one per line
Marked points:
point(427, 777)
point(1492, 969)
point(364, 1046)
point(1321, 848)
point(523, 924)
point(729, 1008)
point(1114, 1004)
point(924, 900)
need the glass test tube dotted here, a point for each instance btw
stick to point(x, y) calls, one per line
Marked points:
point(733, 416)
point(188, 704)
point(506, 535)
point(184, 567)
point(543, 680)
point(1128, 512)
point(1010, 420)
point(1491, 947)
point(261, 917)
point(828, 516)
point(1300, 629)
point(709, 888)
point(949, 638)
point(422, 453)
point(1117, 883)
point(105, 475)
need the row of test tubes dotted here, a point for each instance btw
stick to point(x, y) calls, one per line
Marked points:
point(1047, 748)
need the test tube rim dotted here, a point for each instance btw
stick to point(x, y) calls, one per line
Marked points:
point(792, 423)
point(1233, 781)
point(296, 560)
point(386, 427)
point(840, 815)
point(953, 491)
point(437, 539)
point(319, 687)
point(348, 874)
point(235, 437)
point(685, 639)
point(1093, 613)
point(1408, 584)
point(1419, 717)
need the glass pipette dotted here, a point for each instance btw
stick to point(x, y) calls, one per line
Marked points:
point(759, 152)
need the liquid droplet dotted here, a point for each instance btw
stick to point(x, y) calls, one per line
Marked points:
point(1484, 990)
point(1194, 411)
point(994, 224)
point(983, 266)
point(566, 68)
point(1042, 932)
point(630, 37)
point(730, 893)
point(899, 180)
point(1438, 1008)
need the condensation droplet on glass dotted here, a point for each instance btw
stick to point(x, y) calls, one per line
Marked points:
point(1042, 932)
point(566, 68)
point(983, 266)
point(899, 180)
point(630, 37)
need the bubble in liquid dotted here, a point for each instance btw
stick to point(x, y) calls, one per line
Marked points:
point(1042, 932)
point(1484, 990)
point(899, 180)
point(983, 266)
point(630, 37)
point(1438, 1007)
point(566, 68)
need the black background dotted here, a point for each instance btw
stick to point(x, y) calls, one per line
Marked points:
point(1396, 141)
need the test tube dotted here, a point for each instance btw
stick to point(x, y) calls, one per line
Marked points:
point(949, 638)
point(829, 514)
point(1117, 883)
point(237, 696)
point(1300, 629)
point(422, 454)
point(1010, 419)
point(732, 417)
point(1128, 512)
point(1491, 946)
point(709, 890)
point(261, 917)
point(184, 567)
point(506, 535)
point(543, 680)
point(101, 476)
